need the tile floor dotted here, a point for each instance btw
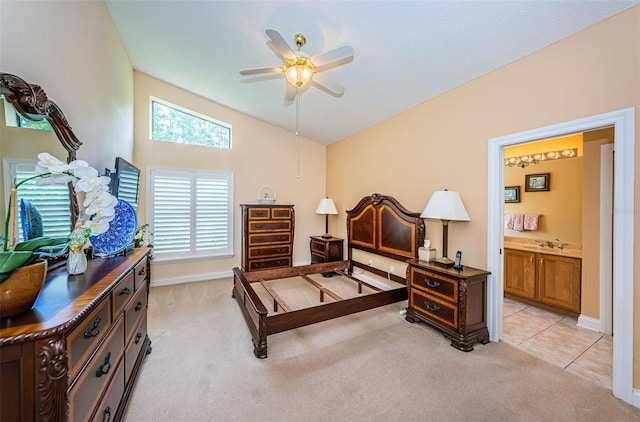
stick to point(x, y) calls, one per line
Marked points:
point(558, 340)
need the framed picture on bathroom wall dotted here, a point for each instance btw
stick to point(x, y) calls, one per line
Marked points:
point(512, 194)
point(536, 182)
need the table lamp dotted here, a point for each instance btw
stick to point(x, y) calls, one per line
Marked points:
point(445, 205)
point(326, 207)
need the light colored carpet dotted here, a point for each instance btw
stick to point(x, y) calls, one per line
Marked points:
point(371, 366)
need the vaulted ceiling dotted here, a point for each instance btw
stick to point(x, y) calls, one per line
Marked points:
point(406, 52)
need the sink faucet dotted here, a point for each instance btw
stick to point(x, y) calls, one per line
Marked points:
point(560, 244)
point(541, 244)
point(549, 243)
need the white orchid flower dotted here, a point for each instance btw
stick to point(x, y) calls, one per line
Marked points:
point(76, 165)
point(55, 179)
point(96, 226)
point(95, 201)
point(47, 162)
point(106, 214)
point(93, 183)
point(103, 213)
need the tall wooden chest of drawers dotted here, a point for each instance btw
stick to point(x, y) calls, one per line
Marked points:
point(452, 301)
point(77, 354)
point(267, 236)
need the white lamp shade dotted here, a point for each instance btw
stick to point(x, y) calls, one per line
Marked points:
point(445, 205)
point(326, 206)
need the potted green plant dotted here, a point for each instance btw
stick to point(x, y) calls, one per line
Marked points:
point(98, 211)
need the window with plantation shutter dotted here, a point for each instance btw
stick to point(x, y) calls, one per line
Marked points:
point(191, 213)
point(52, 202)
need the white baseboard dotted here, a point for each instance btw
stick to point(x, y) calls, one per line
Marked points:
point(198, 277)
point(589, 323)
point(636, 398)
point(190, 279)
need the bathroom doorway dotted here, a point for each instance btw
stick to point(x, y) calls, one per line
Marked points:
point(624, 126)
point(562, 326)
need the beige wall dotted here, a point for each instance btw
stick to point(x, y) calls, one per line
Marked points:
point(592, 210)
point(560, 208)
point(261, 155)
point(72, 50)
point(442, 143)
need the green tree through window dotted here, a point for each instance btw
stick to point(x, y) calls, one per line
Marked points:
point(173, 125)
point(41, 125)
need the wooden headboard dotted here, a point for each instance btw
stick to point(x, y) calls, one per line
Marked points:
point(380, 225)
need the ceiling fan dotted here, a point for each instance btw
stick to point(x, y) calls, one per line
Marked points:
point(300, 69)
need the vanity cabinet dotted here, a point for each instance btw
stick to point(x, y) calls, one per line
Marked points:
point(520, 273)
point(552, 280)
point(76, 355)
point(267, 236)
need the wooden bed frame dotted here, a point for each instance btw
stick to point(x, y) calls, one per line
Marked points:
point(377, 225)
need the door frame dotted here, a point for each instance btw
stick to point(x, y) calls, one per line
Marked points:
point(606, 239)
point(623, 122)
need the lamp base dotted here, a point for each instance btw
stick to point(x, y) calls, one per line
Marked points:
point(444, 262)
point(327, 236)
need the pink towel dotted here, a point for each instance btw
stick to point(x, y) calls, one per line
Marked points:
point(530, 222)
point(518, 222)
point(508, 221)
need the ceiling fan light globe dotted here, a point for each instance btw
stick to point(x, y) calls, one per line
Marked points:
point(298, 75)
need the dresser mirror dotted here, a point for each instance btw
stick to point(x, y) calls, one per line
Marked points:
point(19, 146)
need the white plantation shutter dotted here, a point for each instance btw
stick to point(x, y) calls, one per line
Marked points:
point(51, 201)
point(191, 213)
point(128, 188)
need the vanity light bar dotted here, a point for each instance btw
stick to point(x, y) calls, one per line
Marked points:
point(524, 160)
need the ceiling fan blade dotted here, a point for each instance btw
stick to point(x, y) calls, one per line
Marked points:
point(279, 44)
point(324, 83)
point(261, 70)
point(334, 57)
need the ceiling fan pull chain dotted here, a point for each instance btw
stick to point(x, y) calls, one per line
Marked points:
point(297, 108)
point(297, 120)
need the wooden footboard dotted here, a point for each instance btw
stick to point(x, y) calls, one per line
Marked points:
point(261, 325)
point(255, 313)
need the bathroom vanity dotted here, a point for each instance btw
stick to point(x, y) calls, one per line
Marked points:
point(549, 276)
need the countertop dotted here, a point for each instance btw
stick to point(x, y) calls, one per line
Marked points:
point(531, 245)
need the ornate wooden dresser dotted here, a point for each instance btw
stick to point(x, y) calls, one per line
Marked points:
point(267, 236)
point(452, 301)
point(76, 355)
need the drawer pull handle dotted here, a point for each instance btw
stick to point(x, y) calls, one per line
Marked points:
point(142, 271)
point(105, 367)
point(124, 292)
point(258, 226)
point(431, 307)
point(93, 331)
point(138, 337)
point(106, 415)
point(430, 283)
point(138, 306)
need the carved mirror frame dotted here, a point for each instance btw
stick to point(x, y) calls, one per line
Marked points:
point(31, 102)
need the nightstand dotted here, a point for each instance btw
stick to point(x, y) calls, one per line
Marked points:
point(452, 301)
point(326, 249)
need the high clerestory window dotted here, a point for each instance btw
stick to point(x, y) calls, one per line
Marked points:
point(171, 123)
